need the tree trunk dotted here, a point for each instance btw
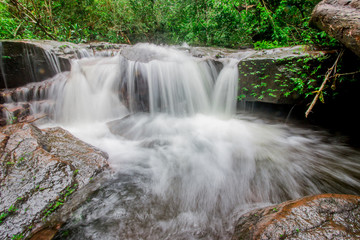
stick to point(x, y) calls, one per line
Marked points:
point(341, 20)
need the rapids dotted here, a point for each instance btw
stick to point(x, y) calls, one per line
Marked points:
point(185, 165)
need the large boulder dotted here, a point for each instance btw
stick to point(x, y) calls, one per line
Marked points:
point(341, 20)
point(326, 216)
point(40, 169)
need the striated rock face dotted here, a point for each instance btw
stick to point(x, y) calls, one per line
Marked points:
point(326, 216)
point(341, 20)
point(26, 61)
point(39, 171)
point(23, 62)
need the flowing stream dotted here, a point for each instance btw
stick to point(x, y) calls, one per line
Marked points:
point(185, 165)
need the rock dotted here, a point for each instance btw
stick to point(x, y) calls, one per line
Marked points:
point(17, 104)
point(40, 170)
point(271, 76)
point(325, 216)
point(23, 62)
point(341, 20)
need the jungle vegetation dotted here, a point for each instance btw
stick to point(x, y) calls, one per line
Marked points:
point(225, 23)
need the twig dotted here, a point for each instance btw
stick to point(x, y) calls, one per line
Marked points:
point(345, 74)
point(35, 119)
point(24, 10)
point(327, 77)
point(17, 29)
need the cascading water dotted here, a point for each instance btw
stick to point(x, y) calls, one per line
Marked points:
point(2, 70)
point(185, 165)
point(225, 90)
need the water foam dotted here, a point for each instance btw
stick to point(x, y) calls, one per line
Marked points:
point(189, 166)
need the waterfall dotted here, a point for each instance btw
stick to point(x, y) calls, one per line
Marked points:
point(225, 90)
point(184, 164)
point(159, 80)
point(2, 69)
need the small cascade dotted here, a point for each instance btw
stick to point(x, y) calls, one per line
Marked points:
point(99, 99)
point(92, 52)
point(83, 53)
point(2, 69)
point(53, 61)
point(33, 100)
point(38, 70)
point(225, 94)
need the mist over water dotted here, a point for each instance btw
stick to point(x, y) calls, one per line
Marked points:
point(184, 164)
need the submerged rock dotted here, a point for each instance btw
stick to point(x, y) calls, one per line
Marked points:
point(325, 216)
point(341, 20)
point(40, 169)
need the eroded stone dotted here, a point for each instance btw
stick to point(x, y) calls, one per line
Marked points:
point(325, 216)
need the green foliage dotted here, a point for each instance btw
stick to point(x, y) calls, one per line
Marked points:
point(64, 196)
point(305, 75)
point(5, 214)
point(267, 45)
point(229, 23)
point(17, 236)
point(287, 77)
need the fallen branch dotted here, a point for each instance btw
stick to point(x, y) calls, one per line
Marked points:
point(327, 77)
point(240, 8)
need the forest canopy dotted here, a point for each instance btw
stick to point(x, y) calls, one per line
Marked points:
point(227, 23)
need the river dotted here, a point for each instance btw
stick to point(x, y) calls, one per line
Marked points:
point(185, 164)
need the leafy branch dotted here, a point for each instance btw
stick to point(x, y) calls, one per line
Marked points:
point(319, 93)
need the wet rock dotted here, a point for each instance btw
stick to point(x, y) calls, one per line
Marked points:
point(26, 61)
point(40, 169)
point(86, 160)
point(18, 104)
point(23, 62)
point(326, 216)
point(278, 75)
point(341, 20)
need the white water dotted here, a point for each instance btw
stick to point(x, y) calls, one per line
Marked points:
point(2, 70)
point(190, 166)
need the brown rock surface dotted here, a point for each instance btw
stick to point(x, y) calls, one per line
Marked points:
point(325, 216)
